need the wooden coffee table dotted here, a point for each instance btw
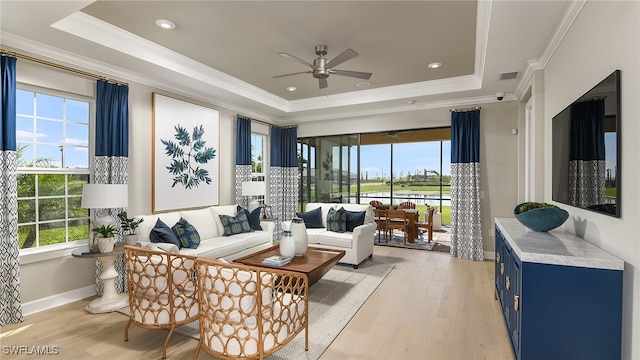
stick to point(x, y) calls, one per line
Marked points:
point(315, 262)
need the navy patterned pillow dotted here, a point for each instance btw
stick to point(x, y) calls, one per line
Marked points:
point(337, 220)
point(312, 219)
point(187, 234)
point(253, 216)
point(354, 219)
point(161, 232)
point(235, 225)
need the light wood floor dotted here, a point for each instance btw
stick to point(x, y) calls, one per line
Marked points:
point(431, 306)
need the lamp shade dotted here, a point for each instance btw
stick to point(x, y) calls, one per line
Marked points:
point(104, 196)
point(253, 188)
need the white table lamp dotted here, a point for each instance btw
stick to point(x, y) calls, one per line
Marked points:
point(253, 188)
point(103, 196)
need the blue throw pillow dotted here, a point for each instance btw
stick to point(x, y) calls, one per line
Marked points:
point(253, 216)
point(235, 225)
point(187, 234)
point(312, 219)
point(161, 232)
point(337, 220)
point(354, 219)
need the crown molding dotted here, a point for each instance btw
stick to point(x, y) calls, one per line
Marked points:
point(105, 34)
point(569, 18)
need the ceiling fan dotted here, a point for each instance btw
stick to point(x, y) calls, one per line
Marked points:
point(322, 68)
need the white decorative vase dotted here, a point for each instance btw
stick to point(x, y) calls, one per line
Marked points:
point(105, 245)
point(131, 239)
point(287, 245)
point(299, 231)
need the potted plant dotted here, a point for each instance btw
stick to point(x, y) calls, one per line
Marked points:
point(106, 237)
point(129, 226)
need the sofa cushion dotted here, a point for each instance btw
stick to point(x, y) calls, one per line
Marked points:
point(368, 217)
point(202, 220)
point(229, 210)
point(144, 229)
point(337, 220)
point(340, 240)
point(354, 219)
point(253, 216)
point(235, 224)
point(225, 246)
point(187, 234)
point(161, 232)
point(312, 219)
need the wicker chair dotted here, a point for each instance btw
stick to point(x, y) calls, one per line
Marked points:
point(234, 324)
point(162, 290)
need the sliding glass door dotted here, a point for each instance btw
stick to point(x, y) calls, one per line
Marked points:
point(391, 167)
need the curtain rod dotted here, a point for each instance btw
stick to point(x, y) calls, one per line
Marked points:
point(465, 109)
point(264, 122)
point(61, 67)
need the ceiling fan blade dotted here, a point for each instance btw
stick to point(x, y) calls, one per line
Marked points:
point(296, 73)
point(291, 57)
point(355, 74)
point(323, 83)
point(346, 55)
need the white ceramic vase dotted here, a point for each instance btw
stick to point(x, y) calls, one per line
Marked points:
point(287, 245)
point(299, 231)
point(105, 245)
point(131, 239)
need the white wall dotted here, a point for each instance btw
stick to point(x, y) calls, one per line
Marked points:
point(605, 37)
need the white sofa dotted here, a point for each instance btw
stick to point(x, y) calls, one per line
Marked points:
point(358, 245)
point(207, 222)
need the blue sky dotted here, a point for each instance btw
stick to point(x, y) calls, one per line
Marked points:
point(407, 157)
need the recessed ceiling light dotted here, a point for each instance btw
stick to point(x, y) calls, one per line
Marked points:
point(434, 65)
point(165, 24)
point(363, 84)
point(291, 88)
point(411, 102)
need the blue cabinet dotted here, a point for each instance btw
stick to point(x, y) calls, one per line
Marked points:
point(561, 296)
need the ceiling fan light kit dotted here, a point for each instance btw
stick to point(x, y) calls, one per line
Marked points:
point(321, 68)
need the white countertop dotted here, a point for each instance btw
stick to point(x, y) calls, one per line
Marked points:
point(556, 247)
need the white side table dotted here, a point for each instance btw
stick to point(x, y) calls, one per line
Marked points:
point(110, 300)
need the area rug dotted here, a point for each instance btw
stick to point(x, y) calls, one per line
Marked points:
point(333, 301)
point(420, 244)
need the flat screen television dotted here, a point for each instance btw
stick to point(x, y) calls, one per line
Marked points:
point(586, 150)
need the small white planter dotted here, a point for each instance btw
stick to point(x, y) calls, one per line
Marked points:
point(131, 239)
point(105, 245)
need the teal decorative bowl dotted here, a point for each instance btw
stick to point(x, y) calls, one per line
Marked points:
point(541, 219)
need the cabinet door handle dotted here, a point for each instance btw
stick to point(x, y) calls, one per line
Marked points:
point(516, 302)
point(507, 282)
point(497, 257)
point(501, 268)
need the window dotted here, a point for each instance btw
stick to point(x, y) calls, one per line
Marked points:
point(52, 131)
point(257, 154)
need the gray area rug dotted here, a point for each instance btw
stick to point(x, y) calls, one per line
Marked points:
point(420, 244)
point(333, 301)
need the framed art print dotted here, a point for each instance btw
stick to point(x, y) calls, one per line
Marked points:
point(185, 163)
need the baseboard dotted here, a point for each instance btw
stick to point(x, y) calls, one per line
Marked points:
point(490, 255)
point(50, 302)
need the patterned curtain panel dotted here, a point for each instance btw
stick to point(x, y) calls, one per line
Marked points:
point(587, 161)
point(243, 157)
point(10, 310)
point(466, 232)
point(112, 155)
point(283, 177)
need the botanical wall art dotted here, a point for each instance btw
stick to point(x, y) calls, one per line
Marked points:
point(185, 155)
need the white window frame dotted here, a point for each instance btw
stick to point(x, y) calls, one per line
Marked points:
point(42, 253)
